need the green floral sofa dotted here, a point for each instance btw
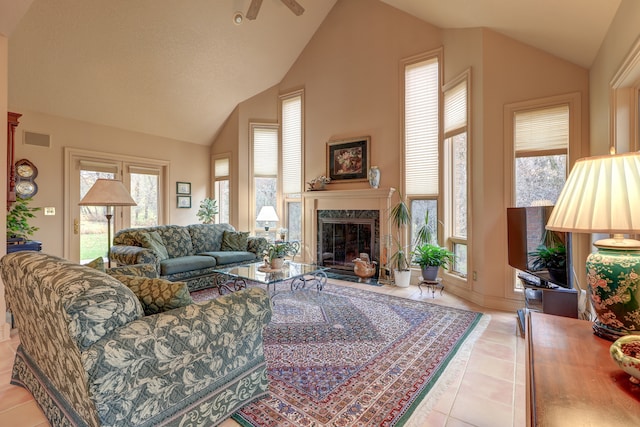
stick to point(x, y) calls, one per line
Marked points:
point(187, 254)
point(91, 357)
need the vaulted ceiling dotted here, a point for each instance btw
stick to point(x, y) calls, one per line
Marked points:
point(178, 68)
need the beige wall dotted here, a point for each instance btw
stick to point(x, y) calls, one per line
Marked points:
point(622, 35)
point(4, 95)
point(352, 78)
point(188, 162)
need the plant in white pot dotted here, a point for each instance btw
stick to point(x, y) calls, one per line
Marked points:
point(428, 254)
point(399, 260)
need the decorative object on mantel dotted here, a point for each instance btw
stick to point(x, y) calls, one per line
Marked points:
point(601, 196)
point(317, 184)
point(348, 159)
point(374, 177)
point(108, 193)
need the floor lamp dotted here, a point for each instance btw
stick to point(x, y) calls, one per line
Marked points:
point(108, 193)
point(602, 195)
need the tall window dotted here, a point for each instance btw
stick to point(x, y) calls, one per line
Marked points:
point(457, 165)
point(221, 188)
point(145, 190)
point(541, 141)
point(421, 135)
point(265, 168)
point(292, 162)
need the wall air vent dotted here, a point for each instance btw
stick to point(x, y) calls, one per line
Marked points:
point(37, 139)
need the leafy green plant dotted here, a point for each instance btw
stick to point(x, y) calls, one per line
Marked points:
point(549, 257)
point(400, 218)
point(18, 219)
point(208, 211)
point(278, 250)
point(428, 255)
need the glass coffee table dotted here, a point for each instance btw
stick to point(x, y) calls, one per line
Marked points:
point(300, 275)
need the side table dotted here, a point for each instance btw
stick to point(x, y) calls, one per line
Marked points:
point(432, 285)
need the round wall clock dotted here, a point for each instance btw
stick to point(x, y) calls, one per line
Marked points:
point(26, 173)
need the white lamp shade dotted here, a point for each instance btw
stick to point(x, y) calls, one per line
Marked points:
point(267, 213)
point(107, 192)
point(601, 195)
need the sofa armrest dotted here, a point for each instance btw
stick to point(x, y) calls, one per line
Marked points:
point(257, 245)
point(144, 270)
point(182, 352)
point(131, 255)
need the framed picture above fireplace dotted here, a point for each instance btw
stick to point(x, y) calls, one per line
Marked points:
point(348, 159)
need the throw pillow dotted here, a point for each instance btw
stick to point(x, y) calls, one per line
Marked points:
point(157, 295)
point(234, 241)
point(97, 263)
point(153, 241)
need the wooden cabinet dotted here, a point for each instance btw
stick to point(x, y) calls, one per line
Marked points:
point(12, 124)
point(572, 380)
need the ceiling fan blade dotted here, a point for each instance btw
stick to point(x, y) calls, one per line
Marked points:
point(294, 6)
point(254, 8)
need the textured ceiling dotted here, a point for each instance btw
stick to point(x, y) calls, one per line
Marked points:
point(177, 68)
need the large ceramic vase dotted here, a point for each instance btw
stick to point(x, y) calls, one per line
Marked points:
point(613, 278)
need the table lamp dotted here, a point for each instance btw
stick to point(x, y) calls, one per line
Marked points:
point(267, 214)
point(108, 193)
point(602, 195)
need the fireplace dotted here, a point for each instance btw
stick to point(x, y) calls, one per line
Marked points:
point(344, 234)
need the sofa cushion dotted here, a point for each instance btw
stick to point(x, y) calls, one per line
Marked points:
point(157, 295)
point(234, 241)
point(185, 263)
point(153, 241)
point(230, 257)
point(97, 263)
point(207, 237)
point(145, 270)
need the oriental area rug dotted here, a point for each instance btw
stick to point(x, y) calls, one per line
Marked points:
point(350, 357)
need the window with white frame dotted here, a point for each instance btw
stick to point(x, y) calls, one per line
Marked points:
point(421, 136)
point(221, 195)
point(456, 149)
point(292, 130)
point(264, 138)
point(541, 141)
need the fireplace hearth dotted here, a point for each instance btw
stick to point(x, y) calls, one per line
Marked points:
point(344, 234)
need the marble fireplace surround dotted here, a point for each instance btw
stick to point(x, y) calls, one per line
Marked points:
point(362, 199)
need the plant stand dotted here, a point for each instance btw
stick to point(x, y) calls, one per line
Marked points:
point(432, 285)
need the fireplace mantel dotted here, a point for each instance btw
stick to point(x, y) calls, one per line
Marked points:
point(368, 193)
point(360, 199)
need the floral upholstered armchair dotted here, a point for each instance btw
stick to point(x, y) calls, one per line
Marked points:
point(91, 357)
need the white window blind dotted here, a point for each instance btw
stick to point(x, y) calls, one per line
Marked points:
point(265, 152)
point(292, 145)
point(455, 107)
point(221, 168)
point(545, 129)
point(421, 128)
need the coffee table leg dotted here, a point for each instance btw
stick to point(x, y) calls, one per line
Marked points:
point(237, 283)
point(319, 277)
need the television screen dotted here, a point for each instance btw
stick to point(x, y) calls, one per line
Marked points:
point(535, 250)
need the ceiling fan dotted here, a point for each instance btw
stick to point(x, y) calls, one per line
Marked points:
point(254, 8)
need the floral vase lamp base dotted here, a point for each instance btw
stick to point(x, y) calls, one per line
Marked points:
point(374, 177)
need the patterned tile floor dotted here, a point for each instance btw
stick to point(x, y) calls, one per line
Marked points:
point(489, 392)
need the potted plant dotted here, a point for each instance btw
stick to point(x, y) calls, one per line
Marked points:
point(399, 260)
point(18, 228)
point(430, 258)
point(553, 258)
point(275, 254)
point(208, 211)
